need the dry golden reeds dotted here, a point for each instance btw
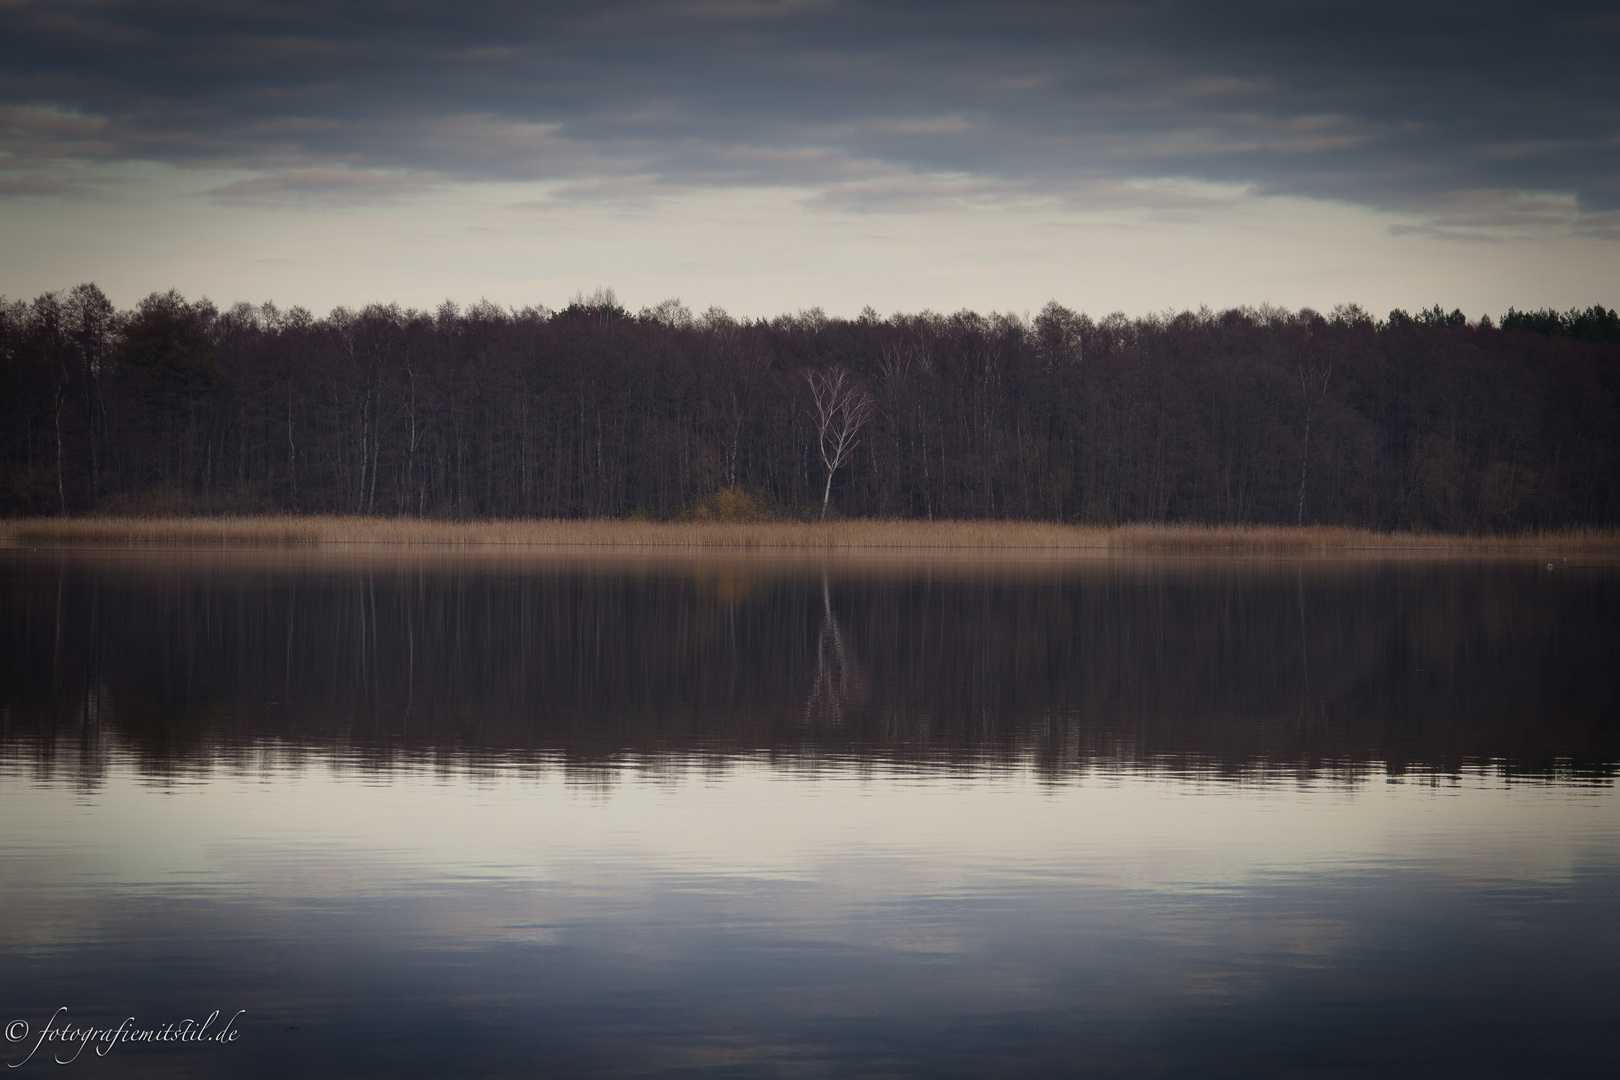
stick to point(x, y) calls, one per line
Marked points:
point(828, 536)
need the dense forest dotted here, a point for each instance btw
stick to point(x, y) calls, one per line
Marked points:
point(1246, 415)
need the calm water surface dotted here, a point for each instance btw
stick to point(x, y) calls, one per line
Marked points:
point(491, 815)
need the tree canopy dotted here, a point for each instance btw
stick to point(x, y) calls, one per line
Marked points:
point(1249, 415)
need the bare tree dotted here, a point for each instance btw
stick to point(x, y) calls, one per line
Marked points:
point(93, 324)
point(842, 408)
point(48, 316)
point(1308, 378)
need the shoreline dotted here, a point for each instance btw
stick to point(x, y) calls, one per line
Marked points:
point(868, 535)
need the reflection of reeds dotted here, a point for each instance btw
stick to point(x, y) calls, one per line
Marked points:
point(828, 536)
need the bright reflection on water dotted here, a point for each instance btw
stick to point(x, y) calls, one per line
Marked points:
point(490, 816)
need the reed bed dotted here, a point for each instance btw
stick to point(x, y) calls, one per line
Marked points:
point(291, 530)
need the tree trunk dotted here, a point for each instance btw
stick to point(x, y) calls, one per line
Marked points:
point(61, 492)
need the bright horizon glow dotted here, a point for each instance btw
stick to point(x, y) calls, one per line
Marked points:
point(766, 251)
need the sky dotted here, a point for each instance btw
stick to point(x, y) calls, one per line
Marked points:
point(767, 156)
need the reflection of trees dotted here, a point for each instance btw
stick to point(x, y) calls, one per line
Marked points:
point(1306, 699)
point(1433, 666)
point(839, 682)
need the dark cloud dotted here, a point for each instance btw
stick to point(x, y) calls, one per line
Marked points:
point(1438, 232)
point(1399, 106)
point(331, 188)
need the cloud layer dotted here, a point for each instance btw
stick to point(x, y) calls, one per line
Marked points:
point(1471, 116)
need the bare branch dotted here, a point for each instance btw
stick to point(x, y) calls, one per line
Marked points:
point(842, 408)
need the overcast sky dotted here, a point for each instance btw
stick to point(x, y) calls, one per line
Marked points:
point(771, 156)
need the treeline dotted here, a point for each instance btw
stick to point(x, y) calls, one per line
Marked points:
point(1247, 415)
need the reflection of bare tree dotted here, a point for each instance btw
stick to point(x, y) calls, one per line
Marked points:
point(839, 684)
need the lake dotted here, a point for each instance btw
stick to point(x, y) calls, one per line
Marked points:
point(393, 813)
